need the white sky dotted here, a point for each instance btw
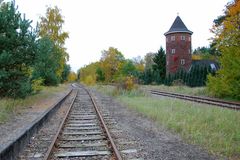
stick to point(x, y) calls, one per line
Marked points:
point(135, 27)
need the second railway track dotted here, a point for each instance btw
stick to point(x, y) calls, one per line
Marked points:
point(210, 101)
point(83, 133)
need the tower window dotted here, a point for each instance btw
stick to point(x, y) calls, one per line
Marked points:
point(189, 51)
point(189, 38)
point(182, 61)
point(173, 51)
point(166, 39)
point(183, 38)
point(172, 38)
point(167, 62)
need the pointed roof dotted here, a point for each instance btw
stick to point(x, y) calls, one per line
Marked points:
point(178, 26)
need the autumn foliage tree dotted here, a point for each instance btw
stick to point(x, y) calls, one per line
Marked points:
point(227, 39)
point(111, 62)
point(51, 26)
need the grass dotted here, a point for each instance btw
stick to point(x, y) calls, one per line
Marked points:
point(197, 91)
point(213, 128)
point(9, 107)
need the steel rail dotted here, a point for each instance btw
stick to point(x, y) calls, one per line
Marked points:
point(50, 149)
point(115, 150)
point(212, 101)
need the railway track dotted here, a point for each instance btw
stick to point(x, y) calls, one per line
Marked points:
point(83, 133)
point(211, 101)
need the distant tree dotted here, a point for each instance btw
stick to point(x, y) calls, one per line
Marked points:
point(111, 63)
point(88, 73)
point(72, 77)
point(159, 66)
point(100, 75)
point(148, 59)
point(66, 72)
point(128, 68)
point(17, 52)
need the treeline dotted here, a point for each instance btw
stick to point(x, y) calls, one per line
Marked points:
point(111, 68)
point(196, 77)
point(31, 56)
point(114, 68)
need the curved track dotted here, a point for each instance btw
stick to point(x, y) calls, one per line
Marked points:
point(211, 101)
point(83, 133)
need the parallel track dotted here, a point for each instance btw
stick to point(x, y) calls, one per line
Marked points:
point(83, 133)
point(211, 101)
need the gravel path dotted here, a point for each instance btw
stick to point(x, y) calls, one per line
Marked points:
point(155, 141)
point(18, 123)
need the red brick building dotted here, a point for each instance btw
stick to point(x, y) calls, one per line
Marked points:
point(178, 47)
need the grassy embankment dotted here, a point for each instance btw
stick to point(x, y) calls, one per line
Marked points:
point(213, 128)
point(9, 107)
point(197, 91)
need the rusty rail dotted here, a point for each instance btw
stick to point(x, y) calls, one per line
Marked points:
point(50, 149)
point(211, 101)
point(115, 150)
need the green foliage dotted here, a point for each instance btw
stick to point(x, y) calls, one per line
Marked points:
point(100, 75)
point(66, 72)
point(17, 52)
point(226, 82)
point(88, 73)
point(159, 66)
point(37, 85)
point(195, 78)
point(46, 63)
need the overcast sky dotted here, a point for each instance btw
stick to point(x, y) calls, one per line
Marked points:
point(135, 27)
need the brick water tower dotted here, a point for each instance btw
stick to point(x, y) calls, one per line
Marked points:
point(178, 47)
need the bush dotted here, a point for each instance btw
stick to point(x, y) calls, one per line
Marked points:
point(126, 83)
point(37, 85)
point(90, 80)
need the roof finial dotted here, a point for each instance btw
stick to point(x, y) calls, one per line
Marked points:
point(177, 13)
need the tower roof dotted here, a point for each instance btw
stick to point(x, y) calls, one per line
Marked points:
point(178, 26)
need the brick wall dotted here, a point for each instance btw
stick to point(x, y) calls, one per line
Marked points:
point(181, 44)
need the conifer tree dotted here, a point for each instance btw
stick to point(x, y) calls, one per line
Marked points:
point(17, 52)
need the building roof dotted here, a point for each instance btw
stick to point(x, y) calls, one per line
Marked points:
point(178, 26)
point(207, 63)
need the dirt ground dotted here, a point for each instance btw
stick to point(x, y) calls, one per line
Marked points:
point(19, 122)
point(155, 141)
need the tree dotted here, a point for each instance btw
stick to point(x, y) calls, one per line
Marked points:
point(51, 26)
point(88, 73)
point(46, 63)
point(128, 68)
point(100, 75)
point(159, 65)
point(66, 72)
point(72, 76)
point(111, 63)
point(226, 82)
point(17, 52)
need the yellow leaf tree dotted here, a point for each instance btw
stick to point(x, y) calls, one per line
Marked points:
point(226, 82)
point(51, 27)
point(111, 63)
